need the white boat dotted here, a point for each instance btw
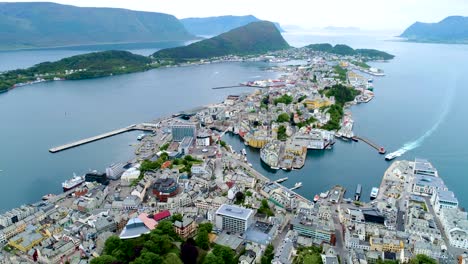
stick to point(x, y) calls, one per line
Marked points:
point(297, 185)
point(243, 152)
point(72, 183)
point(395, 154)
point(141, 136)
point(374, 193)
point(281, 180)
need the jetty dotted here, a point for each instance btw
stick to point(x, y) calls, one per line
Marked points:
point(228, 87)
point(380, 149)
point(142, 127)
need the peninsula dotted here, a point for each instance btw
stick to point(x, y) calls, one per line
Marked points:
point(452, 29)
point(253, 38)
point(345, 50)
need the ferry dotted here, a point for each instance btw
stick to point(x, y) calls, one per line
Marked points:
point(141, 136)
point(393, 155)
point(374, 193)
point(316, 198)
point(72, 183)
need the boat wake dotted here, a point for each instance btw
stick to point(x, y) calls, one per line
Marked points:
point(419, 141)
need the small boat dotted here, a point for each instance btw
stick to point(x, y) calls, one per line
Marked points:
point(316, 198)
point(297, 186)
point(48, 196)
point(374, 193)
point(282, 180)
point(355, 139)
point(243, 152)
point(141, 136)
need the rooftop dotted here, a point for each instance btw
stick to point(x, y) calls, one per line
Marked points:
point(234, 211)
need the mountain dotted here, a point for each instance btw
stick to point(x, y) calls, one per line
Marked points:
point(345, 50)
point(254, 38)
point(26, 25)
point(453, 29)
point(85, 66)
point(212, 26)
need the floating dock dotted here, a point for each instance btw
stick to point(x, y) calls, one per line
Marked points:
point(143, 127)
point(380, 149)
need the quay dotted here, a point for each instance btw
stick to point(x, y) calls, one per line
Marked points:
point(228, 87)
point(380, 149)
point(142, 127)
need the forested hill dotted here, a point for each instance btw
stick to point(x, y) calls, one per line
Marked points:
point(91, 65)
point(345, 50)
point(254, 38)
point(453, 29)
point(32, 25)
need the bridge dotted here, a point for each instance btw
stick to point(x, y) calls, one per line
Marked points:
point(142, 127)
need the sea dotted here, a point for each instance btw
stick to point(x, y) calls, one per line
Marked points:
point(419, 107)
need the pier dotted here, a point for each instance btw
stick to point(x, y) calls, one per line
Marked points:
point(380, 149)
point(228, 87)
point(142, 127)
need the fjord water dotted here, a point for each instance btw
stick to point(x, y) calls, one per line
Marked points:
point(420, 101)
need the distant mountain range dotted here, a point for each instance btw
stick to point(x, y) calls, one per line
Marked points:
point(344, 50)
point(253, 38)
point(27, 25)
point(453, 29)
point(211, 26)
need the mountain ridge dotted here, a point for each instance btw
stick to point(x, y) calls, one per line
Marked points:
point(452, 29)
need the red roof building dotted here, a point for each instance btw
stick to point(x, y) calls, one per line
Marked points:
point(162, 215)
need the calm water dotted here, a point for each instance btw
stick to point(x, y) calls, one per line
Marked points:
point(420, 102)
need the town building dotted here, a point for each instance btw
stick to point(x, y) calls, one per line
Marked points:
point(233, 218)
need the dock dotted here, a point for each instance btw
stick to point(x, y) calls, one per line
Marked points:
point(380, 149)
point(142, 127)
point(228, 87)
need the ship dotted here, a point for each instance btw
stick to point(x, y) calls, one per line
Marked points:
point(316, 198)
point(281, 180)
point(141, 136)
point(72, 183)
point(374, 193)
point(357, 195)
point(48, 196)
point(393, 155)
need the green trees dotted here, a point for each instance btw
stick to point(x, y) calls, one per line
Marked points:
point(176, 217)
point(104, 259)
point(148, 258)
point(164, 147)
point(225, 253)
point(336, 113)
point(172, 258)
point(202, 239)
point(265, 208)
point(285, 99)
point(268, 255)
point(212, 259)
point(281, 134)
point(341, 72)
point(422, 259)
point(308, 255)
point(341, 93)
point(284, 117)
point(240, 197)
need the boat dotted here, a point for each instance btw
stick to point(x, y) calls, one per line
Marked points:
point(48, 196)
point(355, 139)
point(72, 183)
point(357, 195)
point(374, 193)
point(281, 180)
point(244, 152)
point(316, 198)
point(141, 136)
point(393, 155)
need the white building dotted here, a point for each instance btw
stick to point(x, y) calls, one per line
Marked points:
point(455, 225)
point(233, 218)
point(443, 199)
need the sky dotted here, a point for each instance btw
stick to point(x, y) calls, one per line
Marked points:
point(364, 14)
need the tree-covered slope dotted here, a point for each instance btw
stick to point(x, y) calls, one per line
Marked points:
point(345, 50)
point(24, 25)
point(254, 38)
point(452, 29)
point(211, 26)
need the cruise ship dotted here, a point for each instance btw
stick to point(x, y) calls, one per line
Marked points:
point(72, 183)
point(374, 193)
point(393, 155)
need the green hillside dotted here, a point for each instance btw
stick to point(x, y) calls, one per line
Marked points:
point(345, 50)
point(254, 38)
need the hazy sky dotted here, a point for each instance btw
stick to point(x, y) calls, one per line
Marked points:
point(366, 14)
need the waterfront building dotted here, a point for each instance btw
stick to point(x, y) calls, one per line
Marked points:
point(424, 167)
point(96, 177)
point(443, 199)
point(270, 154)
point(164, 188)
point(233, 218)
point(115, 170)
point(181, 130)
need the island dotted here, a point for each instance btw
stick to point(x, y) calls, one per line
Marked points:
point(36, 25)
point(345, 50)
point(452, 29)
point(211, 26)
point(253, 38)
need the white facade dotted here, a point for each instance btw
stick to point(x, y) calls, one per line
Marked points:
point(455, 225)
point(233, 218)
